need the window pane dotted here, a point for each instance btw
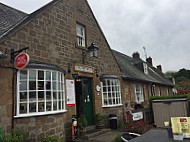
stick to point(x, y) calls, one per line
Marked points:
point(32, 96)
point(59, 105)
point(32, 74)
point(40, 75)
point(48, 106)
point(54, 85)
point(23, 85)
point(104, 89)
point(23, 96)
point(53, 76)
point(54, 105)
point(32, 107)
point(40, 106)
point(23, 74)
point(41, 95)
point(32, 85)
point(23, 108)
point(55, 95)
point(40, 85)
point(48, 95)
point(48, 85)
point(48, 75)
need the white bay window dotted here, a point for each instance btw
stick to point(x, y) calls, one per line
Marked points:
point(40, 92)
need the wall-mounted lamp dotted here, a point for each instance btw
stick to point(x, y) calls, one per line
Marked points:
point(93, 49)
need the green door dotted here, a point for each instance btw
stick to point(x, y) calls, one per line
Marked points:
point(87, 100)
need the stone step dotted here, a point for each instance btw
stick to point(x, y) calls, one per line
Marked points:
point(98, 133)
point(92, 133)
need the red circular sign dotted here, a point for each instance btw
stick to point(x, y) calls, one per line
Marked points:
point(21, 60)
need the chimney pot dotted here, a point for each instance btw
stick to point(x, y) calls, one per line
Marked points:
point(136, 55)
point(159, 67)
point(149, 61)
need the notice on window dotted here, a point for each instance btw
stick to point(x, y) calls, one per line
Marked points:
point(181, 125)
point(70, 88)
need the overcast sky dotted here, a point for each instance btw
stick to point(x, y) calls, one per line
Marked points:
point(162, 26)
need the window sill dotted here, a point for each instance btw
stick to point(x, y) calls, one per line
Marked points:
point(38, 114)
point(108, 106)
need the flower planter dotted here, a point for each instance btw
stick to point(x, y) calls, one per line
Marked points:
point(128, 136)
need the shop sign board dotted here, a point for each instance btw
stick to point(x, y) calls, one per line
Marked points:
point(21, 60)
point(70, 88)
point(137, 116)
point(84, 68)
point(181, 125)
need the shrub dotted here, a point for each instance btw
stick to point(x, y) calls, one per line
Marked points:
point(169, 97)
point(139, 126)
point(16, 136)
point(51, 139)
point(117, 138)
point(82, 122)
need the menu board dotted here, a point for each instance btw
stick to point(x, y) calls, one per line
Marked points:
point(70, 87)
point(181, 125)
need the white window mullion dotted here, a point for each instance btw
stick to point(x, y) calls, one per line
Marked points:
point(18, 92)
point(57, 90)
point(36, 90)
point(51, 91)
point(44, 91)
point(102, 93)
point(27, 90)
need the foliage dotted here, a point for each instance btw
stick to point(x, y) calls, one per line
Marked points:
point(51, 139)
point(117, 138)
point(139, 126)
point(182, 79)
point(16, 136)
point(82, 122)
point(99, 118)
point(1, 133)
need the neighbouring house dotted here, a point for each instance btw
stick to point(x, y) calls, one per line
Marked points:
point(61, 79)
point(140, 80)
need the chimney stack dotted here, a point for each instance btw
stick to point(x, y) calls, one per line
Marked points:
point(149, 61)
point(136, 55)
point(159, 67)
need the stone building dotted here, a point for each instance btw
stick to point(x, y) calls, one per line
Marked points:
point(35, 98)
point(140, 80)
point(64, 77)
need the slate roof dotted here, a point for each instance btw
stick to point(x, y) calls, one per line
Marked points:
point(22, 18)
point(131, 72)
point(9, 17)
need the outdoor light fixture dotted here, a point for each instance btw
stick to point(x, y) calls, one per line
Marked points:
point(93, 49)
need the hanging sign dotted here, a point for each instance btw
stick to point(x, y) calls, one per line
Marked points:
point(21, 60)
point(84, 68)
point(70, 92)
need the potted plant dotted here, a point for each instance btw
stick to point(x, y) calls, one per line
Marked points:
point(82, 123)
point(99, 120)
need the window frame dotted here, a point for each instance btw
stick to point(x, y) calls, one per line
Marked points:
point(145, 66)
point(59, 91)
point(81, 38)
point(140, 91)
point(114, 90)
